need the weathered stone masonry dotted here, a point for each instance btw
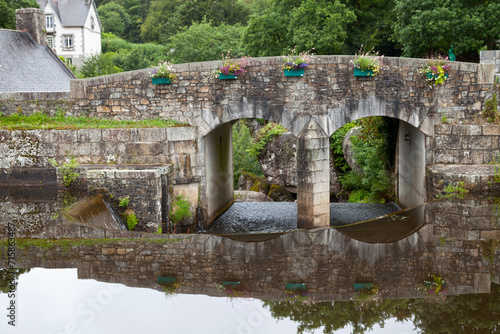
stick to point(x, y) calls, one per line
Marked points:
point(328, 94)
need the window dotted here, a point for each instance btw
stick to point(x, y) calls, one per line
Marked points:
point(68, 42)
point(49, 21)
point(92, 23)
point(69, 61)
point(50, 42)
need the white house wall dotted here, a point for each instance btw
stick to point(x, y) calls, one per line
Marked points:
point(92, 37)
point(85, 40)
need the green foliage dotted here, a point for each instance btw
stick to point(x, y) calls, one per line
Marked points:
point(305, 24)
point(98, 64)
point(124, 202)
point(490, 111)
point(67, 169)
point(166, 18)
point(263, 136)
point(8, 11)
point(131, 220)
point(426, 25)
point(455, 189)
point(444, 118)
point(374, 151)
point(60, 121)
point(114, 18)
point(336, 145)
point(205, 41)
point(180, 209)
point(242, 161)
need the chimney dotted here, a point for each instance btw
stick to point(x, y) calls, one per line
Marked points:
point(32, 21)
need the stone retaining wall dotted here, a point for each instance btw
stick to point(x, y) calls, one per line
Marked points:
point(34, 148)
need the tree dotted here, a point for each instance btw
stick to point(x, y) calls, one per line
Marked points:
point(434, 25)
point(203, 41)
point(98, 64)
point(168, 17)
point(8, 11)
point(114, 18)
point(321, 24)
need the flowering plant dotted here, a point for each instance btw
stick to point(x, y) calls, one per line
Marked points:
point(365, 297)
point(233, 66)
point(297, 61)
point(436, 70)
point(164, 70)
point(433, 287)
point(368, 61)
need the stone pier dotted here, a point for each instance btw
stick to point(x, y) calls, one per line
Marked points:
point(313, 177)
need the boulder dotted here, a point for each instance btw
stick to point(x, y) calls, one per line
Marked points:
point(250, 196)
point(252, 182)
point(280, 194)
point(347, 147)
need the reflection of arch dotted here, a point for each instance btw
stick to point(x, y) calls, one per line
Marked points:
point(388, 229)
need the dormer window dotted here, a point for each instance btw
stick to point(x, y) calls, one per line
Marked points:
point(49, 20)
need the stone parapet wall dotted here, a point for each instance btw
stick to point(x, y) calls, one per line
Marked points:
point(329, 91)
point(27, 103)
point(34, 148)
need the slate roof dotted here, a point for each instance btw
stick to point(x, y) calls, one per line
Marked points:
point(71, 13)
point(28, 67)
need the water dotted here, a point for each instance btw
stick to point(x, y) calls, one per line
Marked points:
point(459, 240)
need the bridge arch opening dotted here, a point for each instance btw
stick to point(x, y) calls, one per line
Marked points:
point(379, 159)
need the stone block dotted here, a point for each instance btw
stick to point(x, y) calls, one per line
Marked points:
point(89, 135)
point(182, 133)
point(491, 130)
point(63, 136)
point(476, 142)
point(143, 149)
point(115, 135)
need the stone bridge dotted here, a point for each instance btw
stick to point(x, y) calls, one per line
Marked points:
point(311, 107)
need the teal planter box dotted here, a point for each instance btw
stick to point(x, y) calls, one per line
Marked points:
point(227, 77)
point(431, 75)
point(295, 286)
point(363, 286)
point(363, 73)
point(166, 280)
point(228, 283)
point(294, 73)
point(161, 81)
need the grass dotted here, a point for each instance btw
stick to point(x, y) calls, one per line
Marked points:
point(67, 244)
point(60, 122)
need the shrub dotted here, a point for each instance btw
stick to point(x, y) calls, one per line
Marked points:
point(180, 209)
point(67, 170)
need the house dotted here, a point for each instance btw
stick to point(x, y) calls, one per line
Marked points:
point(26, 63)
point(73, 28)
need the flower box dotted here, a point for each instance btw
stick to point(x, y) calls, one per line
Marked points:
point(227, 77)
point(294, 73)
point(363, 73)
point(431, 75)
point(161, 81)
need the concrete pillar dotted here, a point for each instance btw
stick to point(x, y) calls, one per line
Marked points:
point(218, 148)
point(411, 166)
point(313, 177)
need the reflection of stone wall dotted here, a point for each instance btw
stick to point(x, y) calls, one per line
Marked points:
point(327, 261)
point(31, 210)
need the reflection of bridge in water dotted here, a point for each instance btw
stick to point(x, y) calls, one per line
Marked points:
point(462, 248)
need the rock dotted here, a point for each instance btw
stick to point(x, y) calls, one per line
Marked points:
point(278, 162)
point(250, 196)
point(347, 147)
point(252, 182)
point(280, 194)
